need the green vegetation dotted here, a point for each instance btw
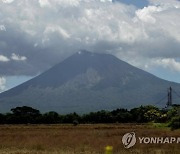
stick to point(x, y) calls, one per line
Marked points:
point(175, 123)
point(142, 114)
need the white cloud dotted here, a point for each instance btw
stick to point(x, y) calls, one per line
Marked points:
point(55, 28)
point(44, 3)
point(69, 2)
point(165, 3)
point(62, 3)
point(106, 0)
point(169, 63)
point(3, 58)
point(18, 57)
point(2, 28)
point(51, 30)
point(7, 1)
point(146, 14)
point(2, 84)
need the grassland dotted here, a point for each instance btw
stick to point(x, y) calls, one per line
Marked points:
point(81, 139)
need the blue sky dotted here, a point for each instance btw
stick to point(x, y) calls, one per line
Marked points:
point(12, 81)
point(137, 3)
point(42, 33)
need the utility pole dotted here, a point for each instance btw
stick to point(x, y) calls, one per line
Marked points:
point(169, 103)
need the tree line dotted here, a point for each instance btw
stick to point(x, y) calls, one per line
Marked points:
point(142, 114)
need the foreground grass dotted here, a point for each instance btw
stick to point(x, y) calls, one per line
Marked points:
point(81, 139)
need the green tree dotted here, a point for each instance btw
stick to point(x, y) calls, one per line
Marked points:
point(121, 115)
point(175, 111)
point(152, 115)
point(144, 113)
point(175, 123)
point(70, 118)
point(24, 115)
point(51, 118)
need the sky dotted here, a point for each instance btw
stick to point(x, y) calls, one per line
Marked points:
point(37, 34)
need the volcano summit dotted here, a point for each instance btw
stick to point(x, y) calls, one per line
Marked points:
point(87, 82)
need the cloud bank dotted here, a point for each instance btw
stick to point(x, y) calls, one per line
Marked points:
point(36, 34)
point(2, 83)
point(3, 58)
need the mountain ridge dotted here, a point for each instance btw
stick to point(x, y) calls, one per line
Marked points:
point(86, 82)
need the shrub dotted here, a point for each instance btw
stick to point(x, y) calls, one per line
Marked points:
point(175, 123)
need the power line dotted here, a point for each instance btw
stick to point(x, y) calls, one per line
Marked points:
point(176, 93)
point(168, 97)
point(158, 102)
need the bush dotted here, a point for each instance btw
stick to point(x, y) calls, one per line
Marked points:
point(175, 123)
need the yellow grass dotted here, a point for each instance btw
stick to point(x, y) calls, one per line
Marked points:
point(81, 139)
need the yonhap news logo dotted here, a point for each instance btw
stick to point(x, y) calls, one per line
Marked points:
point(130, 139)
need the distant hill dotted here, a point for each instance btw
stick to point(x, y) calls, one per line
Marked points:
point(87, 82)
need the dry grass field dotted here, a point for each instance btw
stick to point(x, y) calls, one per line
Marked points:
point(81, 139)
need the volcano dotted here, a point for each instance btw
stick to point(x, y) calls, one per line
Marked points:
point(87, 82)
